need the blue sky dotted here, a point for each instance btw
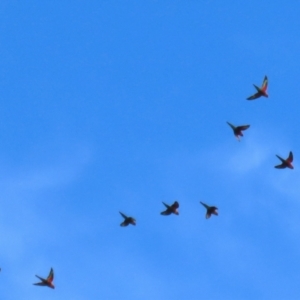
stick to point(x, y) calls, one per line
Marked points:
point(112, 106)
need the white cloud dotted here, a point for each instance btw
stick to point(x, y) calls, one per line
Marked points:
point(25, 227)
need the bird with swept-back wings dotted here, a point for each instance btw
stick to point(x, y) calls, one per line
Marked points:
point(171, 209)
point(127, 220)
point(48, 281)
point(210, 210)
point(286, 163)
point(262, 91)
point(237, 130)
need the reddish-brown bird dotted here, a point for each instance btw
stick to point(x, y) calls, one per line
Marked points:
point(285, 163)
point(237, 130)
point(48, 281)
point(127, 220)
point(171, 209)
point(210, 210)
point(260, 91)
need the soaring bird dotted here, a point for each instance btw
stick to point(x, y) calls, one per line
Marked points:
point(127, 220)
point(237, 130)
point(285, 163)
point(48, 281)
point(260, 91)
point(171, 209)
point(210, 210)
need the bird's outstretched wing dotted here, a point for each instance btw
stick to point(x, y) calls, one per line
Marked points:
point(166, 205)
point(205, 205)
point(43, 281)
point(40, 283)
point(243, 127)
point(232, 126)
point(124, 216)
point(290, 158)
point(50, 276)
point(265, 84)
point(255, 96)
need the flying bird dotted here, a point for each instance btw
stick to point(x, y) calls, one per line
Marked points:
point(48, 281)
point(171, 209)
point(286, 163)
point(237, 130)
point(127, 220)
point(210, 210)
point(260, 91)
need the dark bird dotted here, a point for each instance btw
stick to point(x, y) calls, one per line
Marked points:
point(210, 210)
point(46, 282)
point(260, 91)
point(171, 209)
point(127, 220)
point(285, 163)
point(237, 130)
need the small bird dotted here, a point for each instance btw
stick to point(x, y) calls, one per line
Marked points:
point(237, 130)
point(171, 209)
point(127, 220)
point(260, 91)
point(286, 163)
point(48, 281)
point(210, 210)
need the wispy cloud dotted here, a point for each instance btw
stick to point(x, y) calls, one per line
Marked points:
point(59, 171)
point(250, 157)
point(26, 227)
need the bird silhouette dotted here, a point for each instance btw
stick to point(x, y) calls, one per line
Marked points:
point(171, 209)
point(127, 220)
point(46, 282)
point(260, 91)
point(237, 130)
point(210, 210)
point(286, 163)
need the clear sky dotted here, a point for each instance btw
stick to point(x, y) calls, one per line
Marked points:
point(111, 106)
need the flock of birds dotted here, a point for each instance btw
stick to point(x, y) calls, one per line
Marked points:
point(210, 210)
point(237, 130)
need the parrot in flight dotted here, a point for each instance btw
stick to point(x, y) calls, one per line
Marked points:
point(210, 210)
point(46, 282)
point(237, 130)
point(286, 163)
point(171, 209)
point(262, 91)
point(127, 220)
